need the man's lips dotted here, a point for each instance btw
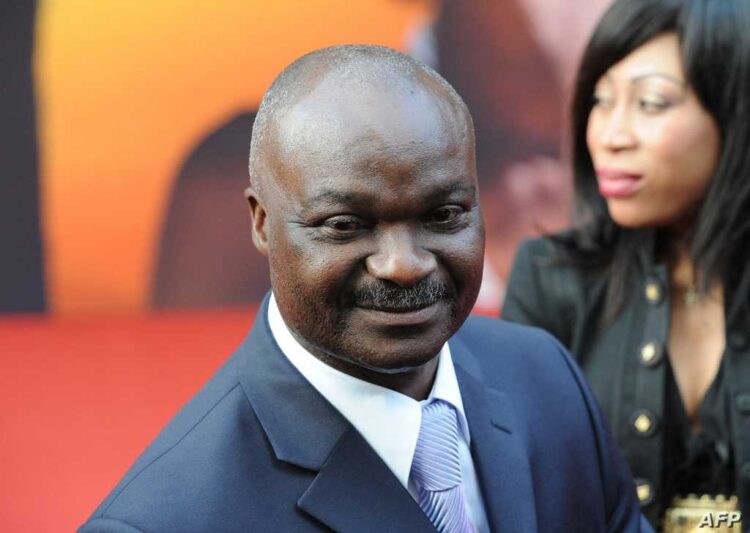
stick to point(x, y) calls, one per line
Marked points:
point(396, 309)
point(615, 183)
point(401, 317)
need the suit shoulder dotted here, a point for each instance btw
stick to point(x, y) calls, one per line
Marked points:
point(479, 327)
point(221, 393)
point(107, 525)
point(526, 363)
point(499, 342)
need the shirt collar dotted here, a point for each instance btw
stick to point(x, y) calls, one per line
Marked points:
point(389, 421)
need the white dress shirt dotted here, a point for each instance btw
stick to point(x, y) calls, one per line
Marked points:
point(388, 420)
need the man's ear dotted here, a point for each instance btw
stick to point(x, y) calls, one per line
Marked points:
point(258, 219)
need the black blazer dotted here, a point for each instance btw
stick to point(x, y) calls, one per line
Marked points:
point(624, 360)
point(259, 449)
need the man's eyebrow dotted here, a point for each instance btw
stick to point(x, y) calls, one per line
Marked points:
point(332, 196)
point(461, 186)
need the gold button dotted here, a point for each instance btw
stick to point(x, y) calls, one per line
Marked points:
point(653, 292)
point(642, 423)
point(651, 353)
point(648, 352)
point(644, 492)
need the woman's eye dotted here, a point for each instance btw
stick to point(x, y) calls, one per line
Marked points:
point(601, 100)
point(652, 105)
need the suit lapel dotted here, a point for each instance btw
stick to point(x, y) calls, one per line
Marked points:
point(354, 490)
point(499, 455)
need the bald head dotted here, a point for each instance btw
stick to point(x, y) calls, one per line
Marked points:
point(343, 82)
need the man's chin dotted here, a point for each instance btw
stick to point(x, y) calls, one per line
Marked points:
point(392, 355)
point(396, 341)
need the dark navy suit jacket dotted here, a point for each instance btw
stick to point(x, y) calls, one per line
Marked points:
point(259, 449)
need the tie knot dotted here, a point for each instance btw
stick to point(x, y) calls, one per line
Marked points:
point(436, 465)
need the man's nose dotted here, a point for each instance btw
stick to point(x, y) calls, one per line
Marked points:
point(400, 258)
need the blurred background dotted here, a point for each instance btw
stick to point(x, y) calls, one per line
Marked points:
point(127, 272)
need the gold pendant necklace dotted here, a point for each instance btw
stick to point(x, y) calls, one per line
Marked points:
point(691, 295)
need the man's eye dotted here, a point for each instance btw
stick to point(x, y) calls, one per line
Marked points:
point(343, 224)
point(445, 215)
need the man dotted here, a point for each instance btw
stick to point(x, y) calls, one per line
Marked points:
point(347, 408)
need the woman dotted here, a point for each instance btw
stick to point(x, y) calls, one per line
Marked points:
point(651, 289)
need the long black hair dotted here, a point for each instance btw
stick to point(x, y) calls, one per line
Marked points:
point(714, 38)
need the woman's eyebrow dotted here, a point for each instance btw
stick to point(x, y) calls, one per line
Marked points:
point(682, 83)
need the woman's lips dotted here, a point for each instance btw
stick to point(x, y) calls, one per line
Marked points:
point(615, 183)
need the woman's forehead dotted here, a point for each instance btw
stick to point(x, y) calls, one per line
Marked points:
point(659, 57)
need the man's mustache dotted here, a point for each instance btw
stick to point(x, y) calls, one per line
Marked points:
point(388, 296)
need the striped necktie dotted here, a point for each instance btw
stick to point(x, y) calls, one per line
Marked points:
point(436, 469)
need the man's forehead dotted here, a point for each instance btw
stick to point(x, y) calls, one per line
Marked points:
point(352, 123)
point(338, 84)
